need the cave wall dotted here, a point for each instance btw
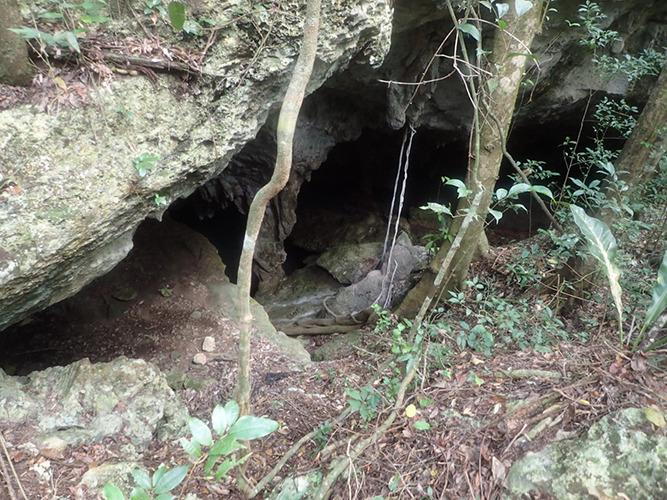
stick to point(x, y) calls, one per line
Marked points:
point(371, 106)
point(81, 198)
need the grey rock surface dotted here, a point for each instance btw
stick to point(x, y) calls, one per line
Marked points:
point(622, 456)
point(81, 197)
point(84, 403)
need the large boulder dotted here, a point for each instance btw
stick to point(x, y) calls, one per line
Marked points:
point(85, 402)
point(624, 455)
point(81, 196)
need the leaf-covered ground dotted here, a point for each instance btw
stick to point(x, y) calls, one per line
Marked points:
point(475, 412)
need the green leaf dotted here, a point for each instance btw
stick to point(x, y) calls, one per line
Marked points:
point(143, 479)
point(51, 15)
point(522, 6)
point(486, 4)
point(139, 494)
point(502, 9)
point(112, 492)
point(200, 431)
point(171, 479)
point(224, 468)
point(422, 425)
point(602, 245)
point(159, 474)
point(496, 214)
point(470, 30)
point(658, 296)
point(191, 447)
point(437, 208)
point(165, 496)
point(176, 15)
point(210, 462)
point(462, 190)
point(543, 190)
point(502, 24)
point(501, 193)
point(223, 417)
point(248, 427)
point(225, 446)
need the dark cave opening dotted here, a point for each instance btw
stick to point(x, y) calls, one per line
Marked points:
point(224, 229)
point(357, 177)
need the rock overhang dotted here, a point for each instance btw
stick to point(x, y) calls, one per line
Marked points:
point(81, 197)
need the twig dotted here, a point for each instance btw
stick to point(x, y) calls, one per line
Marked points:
point(290, 453)
point(12, 493)
point(519, 374)
point(339, 466)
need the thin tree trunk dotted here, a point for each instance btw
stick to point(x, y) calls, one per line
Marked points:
point(492, 108)
point(289, 114)
point(14, 63)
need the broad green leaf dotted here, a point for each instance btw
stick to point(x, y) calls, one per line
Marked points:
point(543, 190)
point(171, 479)
point(225, 446)
point(437, 208)
point(248, 427)
point(462, 190)
point(522, 187)
point(200, 431)
point(159, 474)
point(139, 494)
point(165, 496)
point(191, 447)
point(210, 462)
point(522, 6)
point(502, 24)
point(502, 9)
point(51, 15)
point(112, 492)
point(224, 468)
point(143, 479)
point(70, 40)
point(422, 425)
point(176, 12)
point(501, 193)
point(486, 4)
point(602, 246)
point(223, 417)
point(496, 214)
point(658, 296)
point(470, 30)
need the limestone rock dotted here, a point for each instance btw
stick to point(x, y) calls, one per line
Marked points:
point(621, 456)
point(338, 347)
point(350, 263)
point(82, 198)
point(84, 402)
point(387, 285)
point(225, 297)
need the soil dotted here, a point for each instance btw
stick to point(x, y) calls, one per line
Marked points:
point(154, 306)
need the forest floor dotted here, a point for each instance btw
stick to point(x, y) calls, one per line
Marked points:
point(483, 410)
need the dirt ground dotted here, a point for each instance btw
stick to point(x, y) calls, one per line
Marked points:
point(154, 306)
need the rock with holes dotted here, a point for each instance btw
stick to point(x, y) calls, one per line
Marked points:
point(624, 455)
point(84, 403)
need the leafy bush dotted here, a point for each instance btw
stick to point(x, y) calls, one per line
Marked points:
point(217, 456)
